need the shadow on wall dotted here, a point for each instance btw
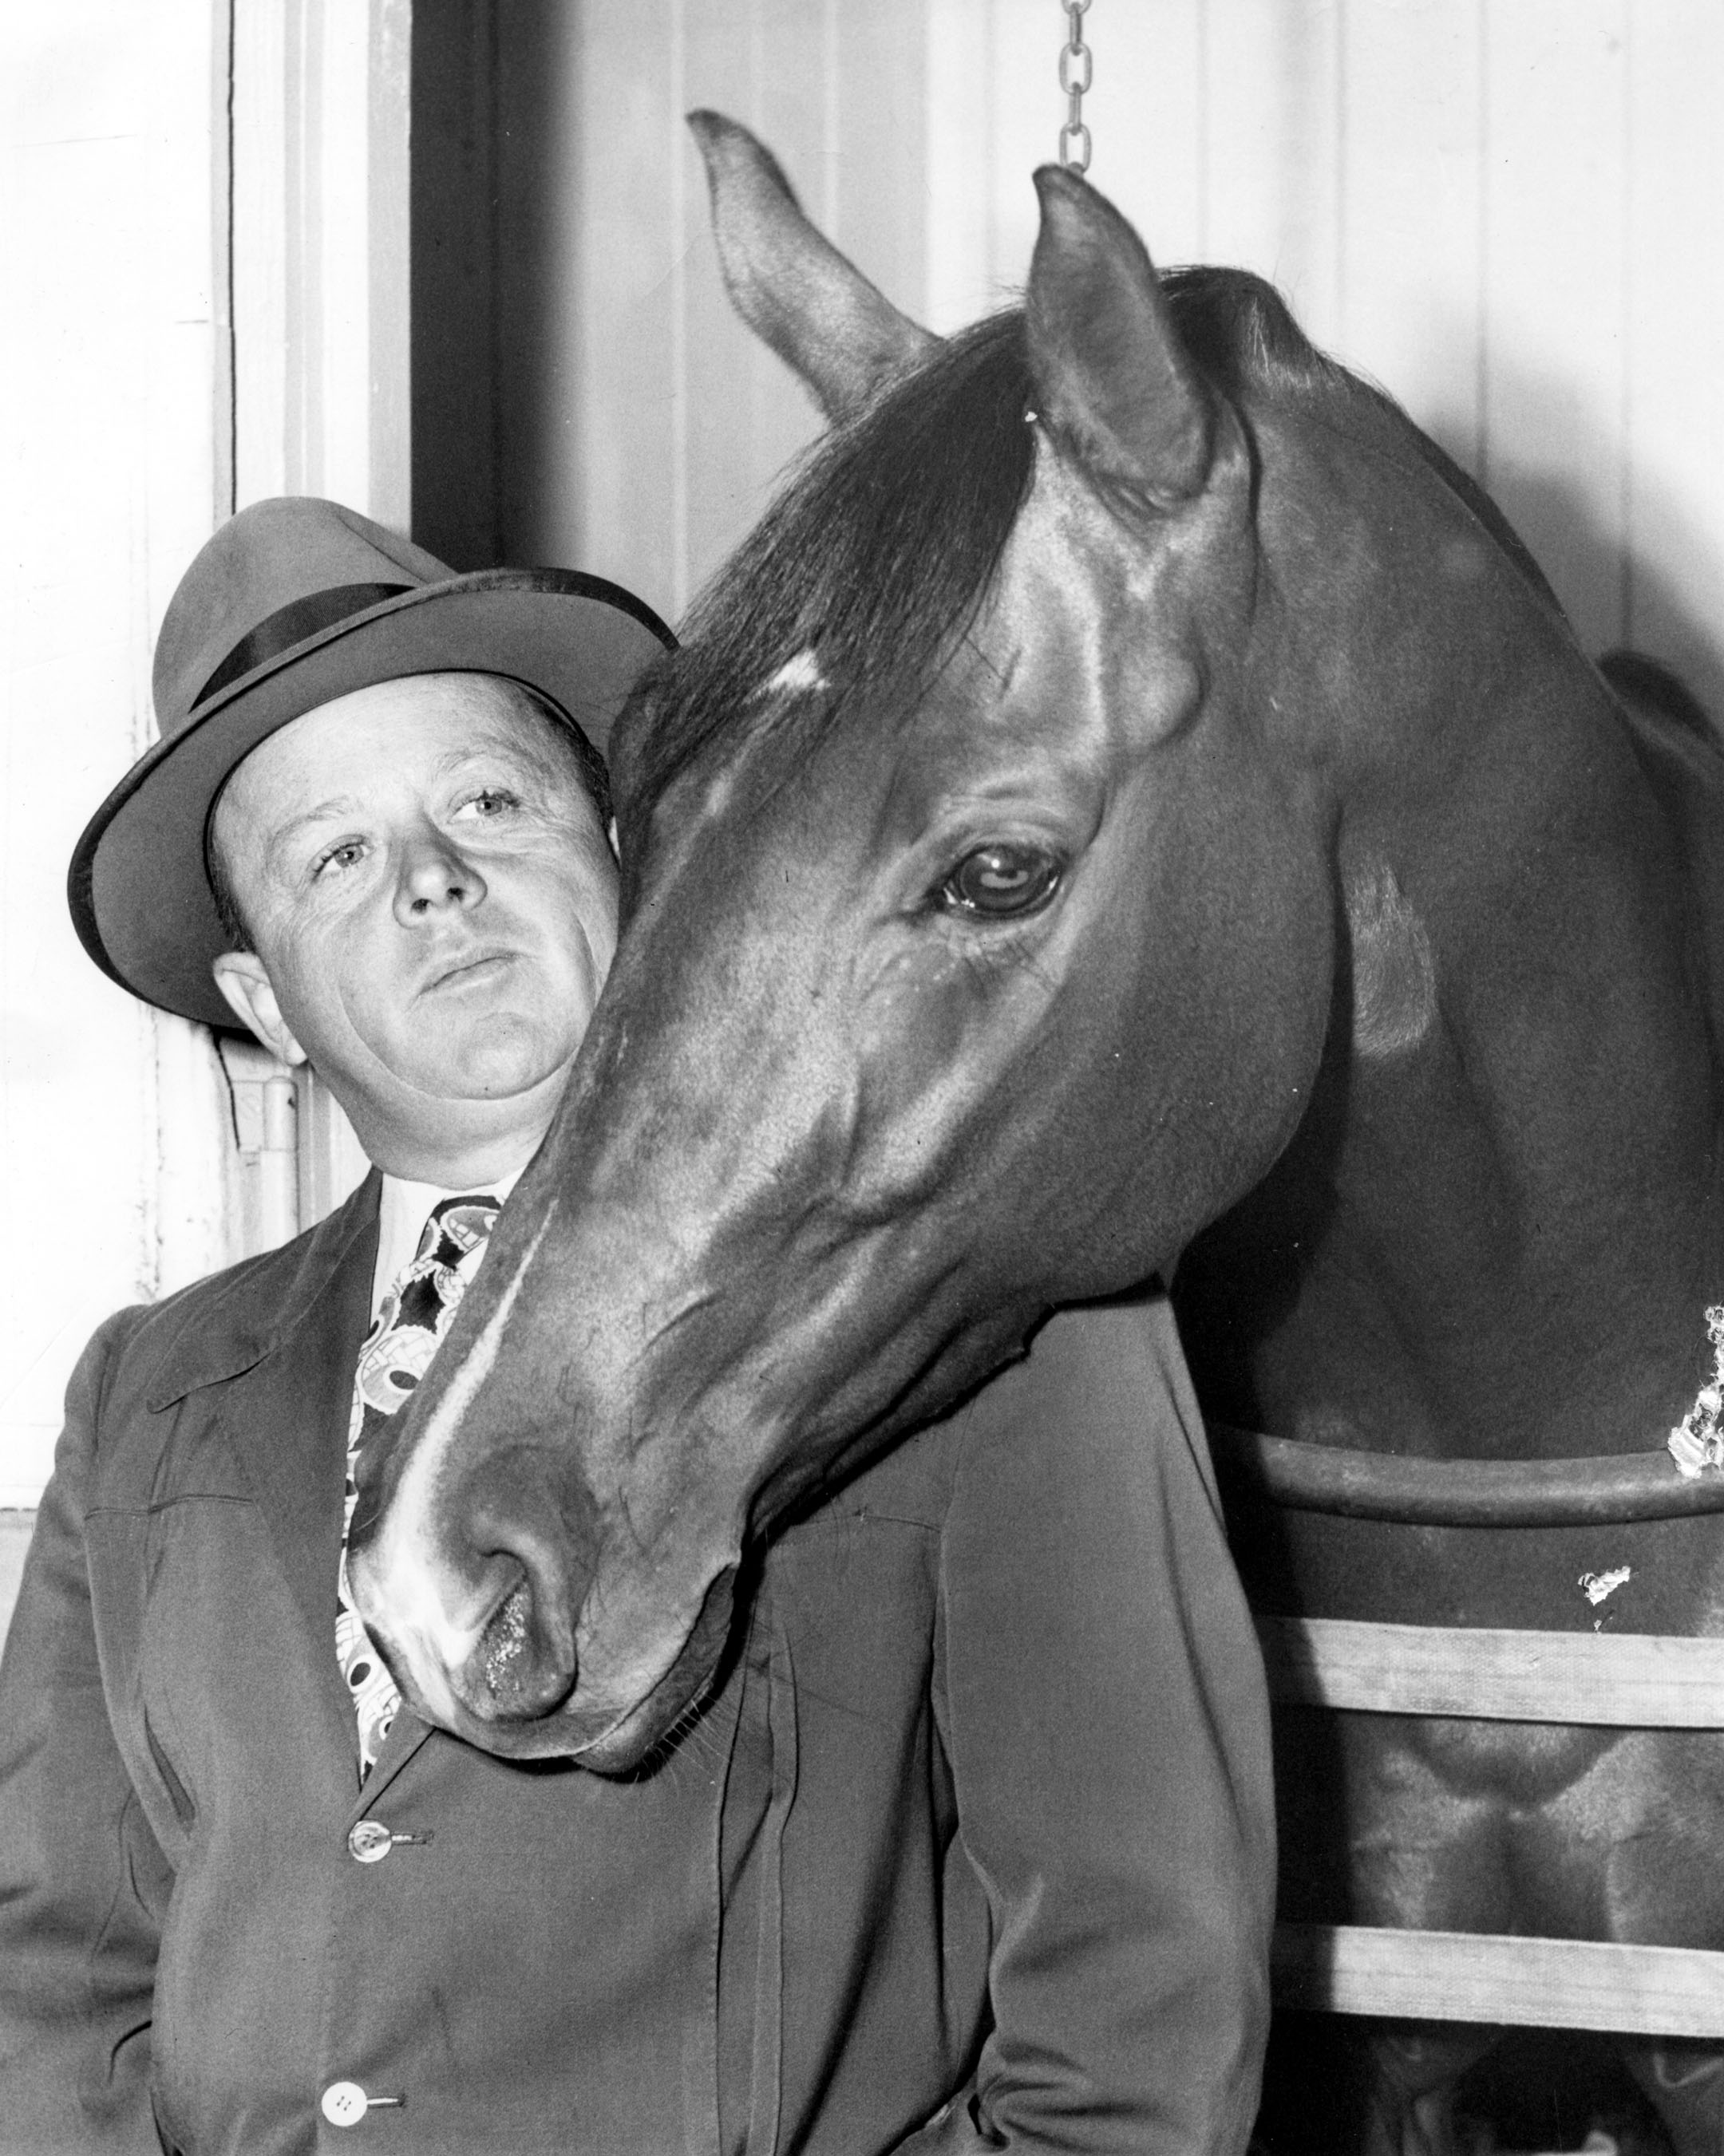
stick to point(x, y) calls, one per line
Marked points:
point(456, 414)
point(1657, 618)
point(1614, 595)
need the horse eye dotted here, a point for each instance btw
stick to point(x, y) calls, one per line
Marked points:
point(1001, 882)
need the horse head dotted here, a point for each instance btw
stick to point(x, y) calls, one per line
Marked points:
point(984, 876)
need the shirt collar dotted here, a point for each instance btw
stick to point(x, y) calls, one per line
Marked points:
point(405, 1208)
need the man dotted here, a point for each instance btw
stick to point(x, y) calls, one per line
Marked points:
point(972, 1849)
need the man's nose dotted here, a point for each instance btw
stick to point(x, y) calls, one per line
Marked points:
point(435, 877)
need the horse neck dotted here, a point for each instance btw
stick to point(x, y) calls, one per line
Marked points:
point(1497, 1228)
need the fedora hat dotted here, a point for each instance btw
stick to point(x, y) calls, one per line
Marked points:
point(294, 603)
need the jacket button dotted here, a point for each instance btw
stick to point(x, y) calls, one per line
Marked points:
point(343, 2103)
point(367, 1843)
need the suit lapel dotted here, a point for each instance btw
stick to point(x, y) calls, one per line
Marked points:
point(284, 1419)
point(298, 1455)
point(280, 1367)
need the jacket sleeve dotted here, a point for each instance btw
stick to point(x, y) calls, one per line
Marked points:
point(82, 1879)
point(1108, 1725)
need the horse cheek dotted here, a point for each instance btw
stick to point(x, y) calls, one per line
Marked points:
point(1227, 1041)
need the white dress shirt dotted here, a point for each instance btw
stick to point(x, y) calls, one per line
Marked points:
point(406, 1208)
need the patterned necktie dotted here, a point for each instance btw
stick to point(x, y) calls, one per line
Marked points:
point(412, 1317)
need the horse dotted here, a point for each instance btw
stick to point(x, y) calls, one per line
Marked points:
point(1132, 806)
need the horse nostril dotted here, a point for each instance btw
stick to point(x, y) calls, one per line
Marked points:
point(520, 1681)
point(521, 1667)
point(524, 1663)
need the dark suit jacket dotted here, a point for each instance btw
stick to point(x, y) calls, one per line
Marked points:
point(986, 1794)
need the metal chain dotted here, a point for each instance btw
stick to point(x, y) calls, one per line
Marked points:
point(1077, 71)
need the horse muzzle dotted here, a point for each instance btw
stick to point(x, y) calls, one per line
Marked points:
point(498, 1688)
point(498, 1664)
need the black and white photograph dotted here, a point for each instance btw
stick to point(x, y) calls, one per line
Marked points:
point(861, 1059)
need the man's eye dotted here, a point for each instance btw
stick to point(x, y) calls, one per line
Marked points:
point(491, 801)
point(338, 858)
point(1001, 882)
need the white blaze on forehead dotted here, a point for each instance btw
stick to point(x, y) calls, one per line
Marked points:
point(1394, 971)
point(797, 677)
point(409, 1601)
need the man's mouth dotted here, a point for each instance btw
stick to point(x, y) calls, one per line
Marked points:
point(476, 969)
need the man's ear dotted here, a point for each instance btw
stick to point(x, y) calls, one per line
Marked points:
point(240, 977)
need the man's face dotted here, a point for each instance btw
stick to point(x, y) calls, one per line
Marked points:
point(432, 899)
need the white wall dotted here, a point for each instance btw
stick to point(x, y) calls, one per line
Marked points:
point(166, 354)
point(1510, 212)
point(112, 350)
point(640, 425)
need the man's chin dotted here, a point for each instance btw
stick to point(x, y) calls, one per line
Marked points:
point(496, 1055)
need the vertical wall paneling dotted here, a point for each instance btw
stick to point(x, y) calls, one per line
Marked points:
point(322, 390)
point(641, 428)
point(1411, 210)
point(1511, 216)
point(188, 1186)
point(742, 416)
point(1023, 60)
point(585, 374)
point(1673, 313)
point(957, 129)
point(994, 112)
point(385, 66)
point(321, 295)
point(262, 178)
point(879, 216)
point(112, 346)
point(1555, 274)
point(1272, 148)
point(1148, 125)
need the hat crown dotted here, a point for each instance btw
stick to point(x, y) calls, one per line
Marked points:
point(273, 555)
point(294, 604)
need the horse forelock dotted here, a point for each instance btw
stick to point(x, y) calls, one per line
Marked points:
point(884, 544)
point(864, 568)
point(879, 551)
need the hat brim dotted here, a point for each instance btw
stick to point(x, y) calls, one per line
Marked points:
point(138, 889)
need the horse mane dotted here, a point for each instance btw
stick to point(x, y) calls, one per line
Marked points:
point(879, 548)
point(874, 555)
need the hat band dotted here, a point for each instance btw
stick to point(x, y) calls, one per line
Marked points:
point(292, 624)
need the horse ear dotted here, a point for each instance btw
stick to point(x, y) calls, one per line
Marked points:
point(1112, 378)
point(792, 286)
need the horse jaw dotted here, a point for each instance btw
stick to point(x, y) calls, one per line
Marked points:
point(461, 1619)
point(456, 1593)
point(547, 1561)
